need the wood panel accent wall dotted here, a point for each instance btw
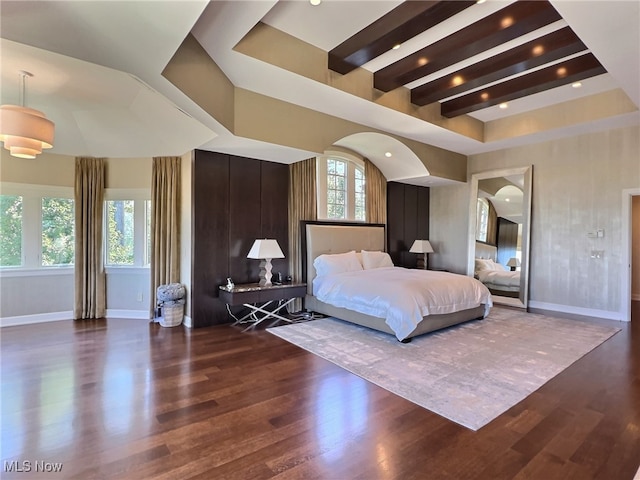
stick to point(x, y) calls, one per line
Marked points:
point(407, 220)
point(235, 200)
point(507, 237)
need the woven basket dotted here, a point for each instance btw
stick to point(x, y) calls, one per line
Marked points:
point(172, 315)
point(171, 291)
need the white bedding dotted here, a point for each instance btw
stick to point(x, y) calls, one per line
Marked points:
point(499, 278)
point(401, 296)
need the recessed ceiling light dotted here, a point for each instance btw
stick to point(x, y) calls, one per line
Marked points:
point(457, 80)
point(315, 2)
point(561, 72)
point(423, 61)
point(538, 50)
point(484, 96)
point(576, 85)
point(396, 46)
point(480, 2)
point(388, 154)
point(504, 105)
point(507, 199)
point(506, 22)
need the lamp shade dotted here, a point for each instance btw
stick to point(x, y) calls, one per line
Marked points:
point(513, 262)
point(421, 246)
point(265, 248)
point(25, 131)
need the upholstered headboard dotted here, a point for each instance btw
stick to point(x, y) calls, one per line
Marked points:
point(319, 238)
point(486, 251)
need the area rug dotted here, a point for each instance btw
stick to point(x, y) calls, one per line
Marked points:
point(470, 373)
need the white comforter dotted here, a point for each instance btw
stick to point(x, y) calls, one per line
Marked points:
point(497, 277)
point(401, 296)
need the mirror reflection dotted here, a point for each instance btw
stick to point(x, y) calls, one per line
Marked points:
point(498, 238)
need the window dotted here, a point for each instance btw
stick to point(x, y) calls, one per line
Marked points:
point(336, 188)
point(10, 231)
point(341, 188)
point(58, 238)
point(482, 221)
point(36, 226)
point(127, 228)
point(120, 234)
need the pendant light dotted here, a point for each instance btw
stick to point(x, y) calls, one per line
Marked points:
point(25, 131)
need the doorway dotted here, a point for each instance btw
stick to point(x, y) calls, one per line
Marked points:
point(630, 251)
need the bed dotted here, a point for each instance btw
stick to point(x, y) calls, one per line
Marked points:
point(496, 278)
point(494, 275)
point(386, 284)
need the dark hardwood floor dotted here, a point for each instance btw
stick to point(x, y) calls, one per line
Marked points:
point(132, 400)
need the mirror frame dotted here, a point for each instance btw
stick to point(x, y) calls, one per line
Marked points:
point(526, 229)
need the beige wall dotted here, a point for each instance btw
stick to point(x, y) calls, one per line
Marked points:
point(577, 186)
point(59, 170)
point(635, 248)
point(45, 169)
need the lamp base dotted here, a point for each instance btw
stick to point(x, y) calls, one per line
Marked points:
point(265, 273)
point(422, 262)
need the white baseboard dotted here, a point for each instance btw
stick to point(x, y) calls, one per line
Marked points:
point(187, 321)
point(585, 312)
point(35, 318)
point(133, 314)
point(57, 316)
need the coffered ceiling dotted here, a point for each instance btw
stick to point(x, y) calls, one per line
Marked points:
point(98, 69)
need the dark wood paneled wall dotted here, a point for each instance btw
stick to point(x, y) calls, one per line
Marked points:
point(235, 200)
point(407, 220)
point(507, 237)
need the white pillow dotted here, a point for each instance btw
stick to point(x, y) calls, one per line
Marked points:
point(329, 264)
point(484, 264)
point(372, 260)
point(499, 267)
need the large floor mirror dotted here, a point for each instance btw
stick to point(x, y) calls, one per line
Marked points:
point(499, 233)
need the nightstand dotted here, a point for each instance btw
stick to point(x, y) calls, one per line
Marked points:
point(256, 298)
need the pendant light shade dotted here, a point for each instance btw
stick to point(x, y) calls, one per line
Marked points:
point(25, 131)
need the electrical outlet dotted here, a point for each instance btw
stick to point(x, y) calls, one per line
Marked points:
point(597, 253)
point(139, 297)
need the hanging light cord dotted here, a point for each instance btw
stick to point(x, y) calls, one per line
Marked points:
point(23, 87)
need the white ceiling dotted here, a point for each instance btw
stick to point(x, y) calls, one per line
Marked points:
point(98, 65)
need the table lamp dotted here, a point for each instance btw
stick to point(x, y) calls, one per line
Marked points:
point(424, 247)
point(265, 249)
point(513, 263)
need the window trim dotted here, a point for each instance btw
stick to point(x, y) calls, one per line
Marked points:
point(353, 163)
point(139, 196)
point(32, 195)
point(482, 204)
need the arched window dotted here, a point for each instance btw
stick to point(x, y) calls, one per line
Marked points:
point(341, 188)
point(482, 219)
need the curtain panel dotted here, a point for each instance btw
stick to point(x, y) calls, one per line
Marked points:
point(302, 206)
point(376, 193)
point(90, 284)
point(492, 225)
point(165, 224)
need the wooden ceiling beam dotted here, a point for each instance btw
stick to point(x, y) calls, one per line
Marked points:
point(511, 22)
point(551, 47)
point(396, 27)
point(563, 73)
